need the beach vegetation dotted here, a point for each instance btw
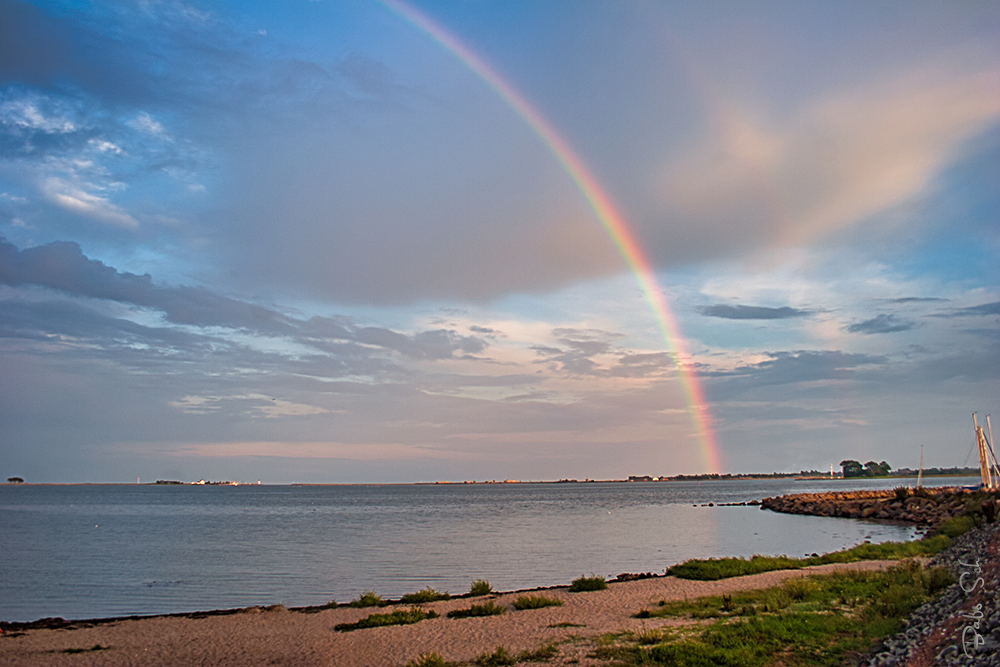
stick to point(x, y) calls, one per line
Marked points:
point(424, 595)
point(431, 660)
point(712, 569)
point(369, 599)
point(500, 656)
point(821, 620)
point(901, 492)
point(591, 583)
point(957, 525)
point(398, 617)
point(95, 647)
point(523, 602)
point(540, 654)
point(648, 636)
point(480, 587)
point(488, 608)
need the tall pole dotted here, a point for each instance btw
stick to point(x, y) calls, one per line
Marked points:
point(985, 473)
point(920, 475)
point(993, 456)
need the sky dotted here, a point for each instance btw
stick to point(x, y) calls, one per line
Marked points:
point(363, 241)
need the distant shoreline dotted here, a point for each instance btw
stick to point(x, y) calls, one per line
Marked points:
point(683, 478)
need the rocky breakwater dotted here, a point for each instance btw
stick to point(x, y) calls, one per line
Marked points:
point(961, 627)
point(929, 507)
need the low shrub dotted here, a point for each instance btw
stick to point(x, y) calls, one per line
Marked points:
point(535, 602)
point(488, 608)
point(369, 599)
point(480, 587)
point(399, 617)
point(543, 654)
point(712, 569)
point(498, 658)
point(425, 595)
point(901, 492)
point(591, 583)
point(95, 647)
point(956, 526)
point(429, 660)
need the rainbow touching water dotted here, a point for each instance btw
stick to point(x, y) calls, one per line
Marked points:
point(612, 221)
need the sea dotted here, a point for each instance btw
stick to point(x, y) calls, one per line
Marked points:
point(97, 551)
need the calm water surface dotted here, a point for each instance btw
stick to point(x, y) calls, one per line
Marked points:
point(95, 551)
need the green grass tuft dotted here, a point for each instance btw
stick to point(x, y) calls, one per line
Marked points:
point(498, 658)
point(399, 617)
point(501, 657)
point(425, 595)
point(712, 569)
point(480, 587)
point(591, 583)
point(535, 602)
point(542, 654)
point(95, 647)
point(430, 660)
point(955, 526)
point(369, 599)
point(488, 608)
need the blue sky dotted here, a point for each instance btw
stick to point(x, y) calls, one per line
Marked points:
point(303, 241)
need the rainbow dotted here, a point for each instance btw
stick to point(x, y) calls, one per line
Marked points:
point(613, 222)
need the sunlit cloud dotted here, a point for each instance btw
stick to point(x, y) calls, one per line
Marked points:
point(835, 162)
point(75, 199)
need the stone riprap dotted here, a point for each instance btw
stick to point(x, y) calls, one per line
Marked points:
point(923, 507)
point(961, 627)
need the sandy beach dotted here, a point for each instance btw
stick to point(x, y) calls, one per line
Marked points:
point(277, 636)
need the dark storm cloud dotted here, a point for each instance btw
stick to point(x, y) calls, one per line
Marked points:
point(785, 368)
point(582, 344)
point(62, 266)
point(45, 320)
point(881, 324)
point(751, 312)
point(914, 299)
point(37, 49)
point(643, 365)
point(983, 309)
point(972, 311)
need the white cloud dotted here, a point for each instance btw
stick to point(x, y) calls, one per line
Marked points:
point(75, 199)
point(146, 123)
point(25, 113)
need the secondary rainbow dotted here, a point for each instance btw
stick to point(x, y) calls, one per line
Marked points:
point(607, 214)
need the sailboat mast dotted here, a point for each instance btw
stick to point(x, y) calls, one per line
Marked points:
point(992, 461)
point(985, 473)
point(920, 475)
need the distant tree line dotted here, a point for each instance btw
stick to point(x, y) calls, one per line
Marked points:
point(930, 472)
point(745, 475)
point(16, 480)
point(854, 468)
